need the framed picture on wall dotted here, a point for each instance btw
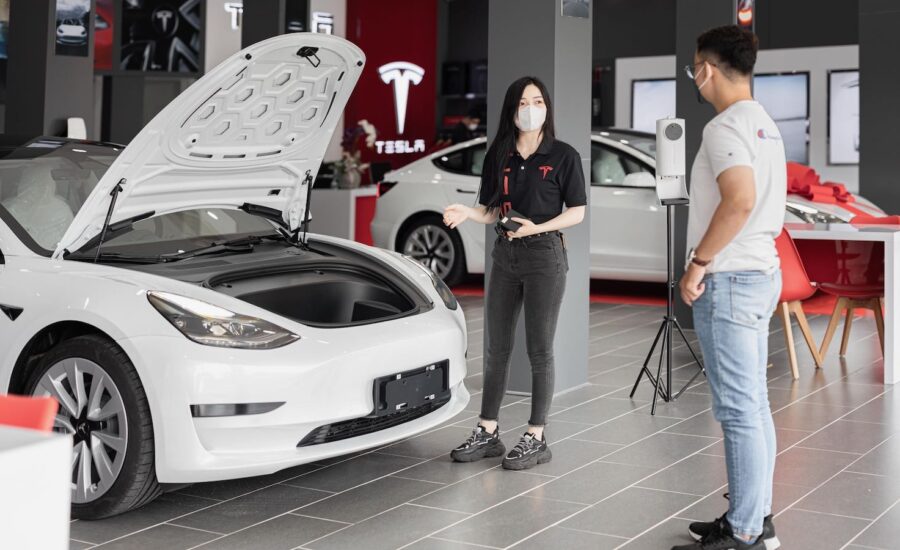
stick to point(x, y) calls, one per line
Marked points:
point(843, 117)
point(73, 24)
point(161, 36)
point(576, 8)
point(103, 34)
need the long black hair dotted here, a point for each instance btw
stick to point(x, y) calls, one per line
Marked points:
point(504, 142)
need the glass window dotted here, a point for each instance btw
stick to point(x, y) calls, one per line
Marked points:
point(478, 153)
point(43, 184)
point(610, 166)
point(453, 162)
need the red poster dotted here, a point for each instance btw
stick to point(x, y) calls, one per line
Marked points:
point(397, 90)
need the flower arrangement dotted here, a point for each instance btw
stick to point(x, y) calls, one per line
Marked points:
point(348, 170)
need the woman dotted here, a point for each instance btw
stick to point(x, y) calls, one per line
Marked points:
point(529, 172)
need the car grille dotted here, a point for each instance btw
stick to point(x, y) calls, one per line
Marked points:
point(368, 424)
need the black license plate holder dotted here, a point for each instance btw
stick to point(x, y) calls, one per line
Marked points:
point(411, 389)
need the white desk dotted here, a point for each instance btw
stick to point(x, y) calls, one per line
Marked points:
point(36, 481)
point(890, 236)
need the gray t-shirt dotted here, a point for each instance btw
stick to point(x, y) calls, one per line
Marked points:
point(741, 135)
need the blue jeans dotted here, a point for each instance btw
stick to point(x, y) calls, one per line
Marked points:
point(731, 318)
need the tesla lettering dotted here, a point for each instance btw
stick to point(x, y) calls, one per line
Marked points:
point(322, 22)
point(401, 74)
point(164, 16)
point(236, 9)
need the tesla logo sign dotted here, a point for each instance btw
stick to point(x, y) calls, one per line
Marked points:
point(322, 22)
point(401, 74)
point(236, 9)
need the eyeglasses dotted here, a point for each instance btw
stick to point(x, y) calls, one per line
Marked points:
point(689, 69)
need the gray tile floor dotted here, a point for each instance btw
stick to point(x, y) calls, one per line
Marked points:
point(619, 477)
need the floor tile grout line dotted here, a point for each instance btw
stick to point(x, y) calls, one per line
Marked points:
point(470, 543)
point(881, 515)
point(410, 503)
point(320, 518)
point(593, 533)
point(821, 513)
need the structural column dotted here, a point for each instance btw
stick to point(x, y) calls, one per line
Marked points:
point(533, 38)
point(692, 18)
point(879, 110)
point(44, 87)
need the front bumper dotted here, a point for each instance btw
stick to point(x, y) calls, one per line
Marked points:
point(326, 377)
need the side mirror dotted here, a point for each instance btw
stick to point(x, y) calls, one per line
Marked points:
point(640, 179)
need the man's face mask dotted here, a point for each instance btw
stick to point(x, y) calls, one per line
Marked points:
point(704, 70)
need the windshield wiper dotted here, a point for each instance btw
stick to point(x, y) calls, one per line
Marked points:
point(243, 244)
point(112, 230)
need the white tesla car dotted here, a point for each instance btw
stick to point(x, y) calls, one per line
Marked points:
point(628, 227)
point(167, 296)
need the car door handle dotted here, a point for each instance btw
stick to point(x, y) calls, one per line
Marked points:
point(461, 190)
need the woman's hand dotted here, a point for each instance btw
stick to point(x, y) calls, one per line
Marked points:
point(528, 228)
point(455, 214)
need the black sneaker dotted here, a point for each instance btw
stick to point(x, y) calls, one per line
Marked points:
point(480, 444)
point(700, 529)
point(527, 453)
point(721, 537)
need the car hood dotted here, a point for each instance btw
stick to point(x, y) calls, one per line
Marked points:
point(252, 130)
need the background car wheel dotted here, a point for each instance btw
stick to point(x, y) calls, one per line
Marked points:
point(103, 406)
point(434, 245)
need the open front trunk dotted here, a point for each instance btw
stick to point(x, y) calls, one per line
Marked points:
point(329, 286)
point(320, 294)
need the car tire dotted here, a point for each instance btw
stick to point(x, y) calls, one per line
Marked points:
point(433, 225)
point(108, 376)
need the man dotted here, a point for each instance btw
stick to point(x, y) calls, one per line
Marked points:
point(465, 129)
point(732, 280)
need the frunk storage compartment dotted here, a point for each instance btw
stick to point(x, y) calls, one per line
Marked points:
point(318, 295)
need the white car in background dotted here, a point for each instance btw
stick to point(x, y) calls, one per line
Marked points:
point(209, 338)
point(628, 227)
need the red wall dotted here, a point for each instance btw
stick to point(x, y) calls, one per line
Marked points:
point(388, 31)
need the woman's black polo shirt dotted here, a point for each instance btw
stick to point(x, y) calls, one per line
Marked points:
point(539, 186)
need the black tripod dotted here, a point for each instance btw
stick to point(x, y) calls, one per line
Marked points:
point(660, 388)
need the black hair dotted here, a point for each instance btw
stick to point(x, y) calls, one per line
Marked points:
point(732, 46)
point(504, 143)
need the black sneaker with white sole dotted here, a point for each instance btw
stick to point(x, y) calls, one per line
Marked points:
point(528, 452)
point(699, 529)
point(481, 444)
point(721, 537)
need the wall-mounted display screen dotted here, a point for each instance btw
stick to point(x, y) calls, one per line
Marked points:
point(786, 98)
point(73, 23)
point(161, 35)
point(843, 117)
point(651, 100)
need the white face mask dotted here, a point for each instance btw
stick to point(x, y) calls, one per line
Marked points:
point(530, 118)
point(472, 127)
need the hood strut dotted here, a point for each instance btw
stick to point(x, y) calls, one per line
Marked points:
point(307, 181)
point(114, 194)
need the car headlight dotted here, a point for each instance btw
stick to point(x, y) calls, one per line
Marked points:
point(812, 215)
point(215, 326)
point(440, 286)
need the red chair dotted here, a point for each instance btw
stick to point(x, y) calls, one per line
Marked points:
point(795, 287)
point(36, 413)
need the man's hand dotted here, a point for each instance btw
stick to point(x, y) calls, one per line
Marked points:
point(528, 228)
point(692, 285)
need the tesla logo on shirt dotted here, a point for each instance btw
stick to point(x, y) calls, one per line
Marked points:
point(545, 170)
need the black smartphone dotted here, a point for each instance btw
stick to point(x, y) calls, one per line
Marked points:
point(507, 223)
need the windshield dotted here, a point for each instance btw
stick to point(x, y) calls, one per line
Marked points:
point(43, 184)
point(178, 232)
point(645, 143)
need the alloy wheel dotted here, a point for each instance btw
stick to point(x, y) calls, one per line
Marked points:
point(432, 247)
point(91, 409)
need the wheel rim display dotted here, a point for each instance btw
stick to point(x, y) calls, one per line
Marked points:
point(431, 246)
point(91, 409)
